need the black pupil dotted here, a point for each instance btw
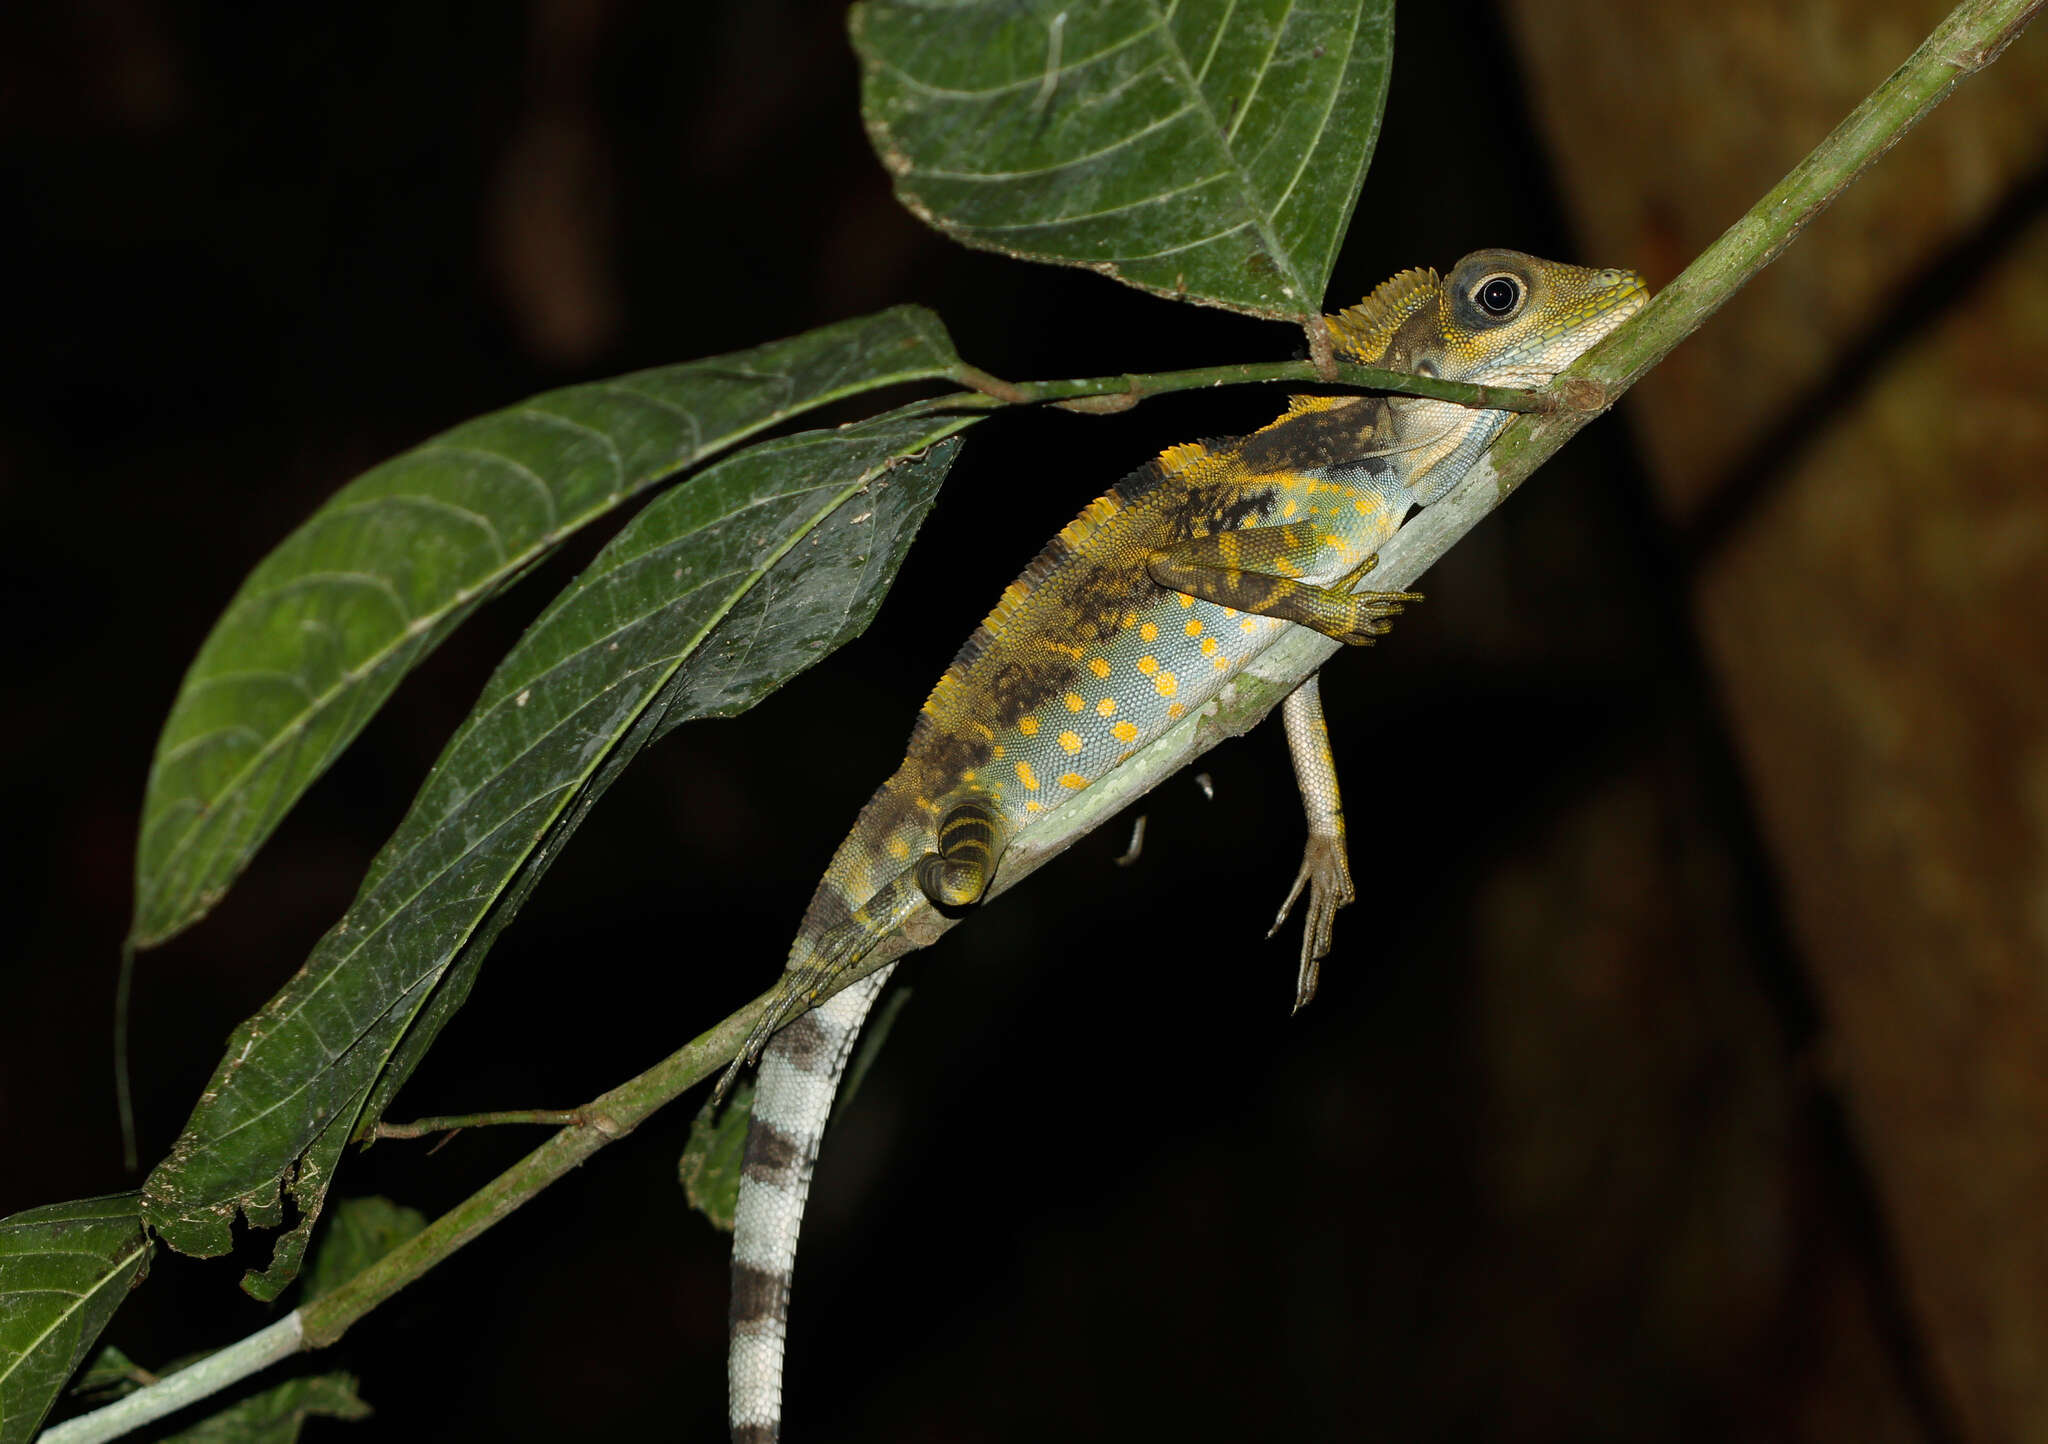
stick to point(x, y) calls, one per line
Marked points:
point(1498, 295)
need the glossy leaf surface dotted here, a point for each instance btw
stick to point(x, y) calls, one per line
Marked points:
point(330, 622)
point(1210, 150)
point(64, 1269)
point(720, 591)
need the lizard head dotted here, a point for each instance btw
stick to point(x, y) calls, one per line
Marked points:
point(1499, 318)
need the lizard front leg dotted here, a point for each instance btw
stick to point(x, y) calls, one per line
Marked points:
point(1325, 863)
point(1256, 570)
point(956, 875)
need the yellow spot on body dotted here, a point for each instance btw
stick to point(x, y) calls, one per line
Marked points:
point(1074, 702)
point(1148, 632)
point(967, 777)
point(1185, 600)
point(1287, 512)
point(1148, 664)
point(1033, 807)
point(1073, 780)
point(1099, 666)
point(1106, 707)
point(1248, 625)
point(1221, 664)
point(1209, 646)
point(1124, 732)
point(1130, 620)
point(899, 849)
point(997, 752)
point(988, 733)
point(1167, 684)
point(1173, 713)
point(1028, 726)
point(1026, 776)
point(1071, 742)
point(1193, 628)
point(1230, 612)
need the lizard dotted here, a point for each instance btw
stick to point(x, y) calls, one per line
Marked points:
point(1138, 612)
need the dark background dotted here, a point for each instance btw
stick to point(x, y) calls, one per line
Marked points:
point(1549, 1158)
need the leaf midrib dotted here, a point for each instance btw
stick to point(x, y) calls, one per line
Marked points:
point(1269, 238)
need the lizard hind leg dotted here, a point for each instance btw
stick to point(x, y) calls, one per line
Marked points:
point(955, 876)
point(959, 872)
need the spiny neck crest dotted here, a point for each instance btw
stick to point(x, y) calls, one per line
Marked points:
point(1363, 332)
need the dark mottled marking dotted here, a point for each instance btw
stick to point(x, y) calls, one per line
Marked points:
point(1224, 507)
point(772, 1155)
point(1319, 438)
point(803, 1044)
point(757, 1295)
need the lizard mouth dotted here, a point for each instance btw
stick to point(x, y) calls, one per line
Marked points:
point(1608, 305)
point(1607, 299)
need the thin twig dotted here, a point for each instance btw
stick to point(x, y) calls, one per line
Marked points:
point(448, 1123)
point(1119, 393)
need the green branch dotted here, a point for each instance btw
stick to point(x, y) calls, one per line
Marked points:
point(1101, 394)
point(1969, 39)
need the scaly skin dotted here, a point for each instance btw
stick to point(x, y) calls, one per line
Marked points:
point(1137, 613)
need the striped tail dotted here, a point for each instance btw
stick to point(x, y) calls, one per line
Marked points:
point(799, 1076)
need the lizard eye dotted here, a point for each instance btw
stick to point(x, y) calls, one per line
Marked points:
point(1498, 295)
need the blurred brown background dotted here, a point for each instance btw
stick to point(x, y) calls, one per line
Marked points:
point(1687, 1075)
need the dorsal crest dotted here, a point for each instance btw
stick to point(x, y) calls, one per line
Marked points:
point(1363, 332)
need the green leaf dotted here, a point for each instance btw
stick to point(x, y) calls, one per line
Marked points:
point(1210, 150)
point(276, 1415)
point(63, 1271)
point(329, 623)
point(361, 1231)
point(709, 1169)
point(720, 591)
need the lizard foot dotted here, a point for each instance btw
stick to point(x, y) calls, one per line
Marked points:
point(1372, 618)
point(795, 992)
point(1326, 874)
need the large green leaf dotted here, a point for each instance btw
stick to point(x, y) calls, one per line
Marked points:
point(329, 623)
point(700, 607)
point(1207, 149)
point(63, 1271)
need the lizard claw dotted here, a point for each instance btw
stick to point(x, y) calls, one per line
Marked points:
point(1326, 875)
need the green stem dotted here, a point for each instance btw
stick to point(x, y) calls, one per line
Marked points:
point(1969, 39)
point(1119, 393)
